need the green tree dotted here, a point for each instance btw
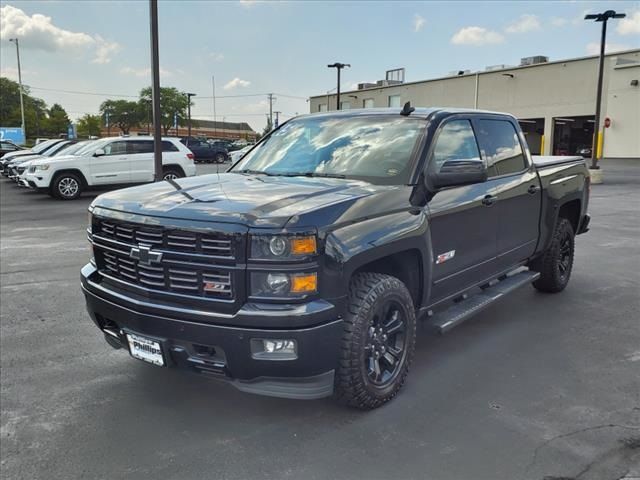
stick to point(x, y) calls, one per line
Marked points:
point(89, 125)
point(58, 121)
point(35, 110)
point(267, 128)
point(172, 102)
point(124, 114)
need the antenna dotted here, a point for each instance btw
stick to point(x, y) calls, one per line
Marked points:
point(407, 109)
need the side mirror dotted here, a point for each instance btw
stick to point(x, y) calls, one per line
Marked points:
point(459, 172)
point(99, 152)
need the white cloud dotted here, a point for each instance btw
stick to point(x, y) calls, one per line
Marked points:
point(248, 3)
point(476, 36)
point(236, 82)
point(216, 56)
point(104, 50)
point(593, 48)
point(418, 22)
point(558, 21)
point(12, 73)
point(143, 72)
point(37, 32)
point(526, 23)
point(629, 25)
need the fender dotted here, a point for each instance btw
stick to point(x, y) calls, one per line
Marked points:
point(351, 247)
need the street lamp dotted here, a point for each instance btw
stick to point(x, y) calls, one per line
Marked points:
point(15, 40)
point(600, 17)
point(338, 66)
point(189, 95)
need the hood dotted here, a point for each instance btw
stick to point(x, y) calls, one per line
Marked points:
point(41, 160)
point(252, 200)
point(25, 158)
point(19, 153)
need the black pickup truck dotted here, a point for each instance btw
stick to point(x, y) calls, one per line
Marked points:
point(303, 271)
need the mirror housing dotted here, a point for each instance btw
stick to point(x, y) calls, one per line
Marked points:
point(459, 172)
point(99, 152)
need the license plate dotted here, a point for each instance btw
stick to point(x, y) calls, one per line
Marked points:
point(146, 349)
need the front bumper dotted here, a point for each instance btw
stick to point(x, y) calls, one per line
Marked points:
point(224, 351)
point(39, 179)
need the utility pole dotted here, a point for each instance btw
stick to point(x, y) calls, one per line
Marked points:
point(275, 125)
point(271, 109)
point(213, 86)
point(338, 66)
point(155, 91)
point(597, 136)
point(189, 95)
point(15, 40)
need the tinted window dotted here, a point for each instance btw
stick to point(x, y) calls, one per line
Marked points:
point(167, 146)
point(140, 146)
point(115, 148)
point(500, 146)
point(456, 141)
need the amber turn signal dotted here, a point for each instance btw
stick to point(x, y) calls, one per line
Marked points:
point(303, 245)
point(304, 283)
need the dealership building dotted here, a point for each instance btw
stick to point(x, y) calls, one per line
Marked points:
point(554, 101)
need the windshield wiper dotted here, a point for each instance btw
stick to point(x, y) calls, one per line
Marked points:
point(313, 174)
point(254, 172)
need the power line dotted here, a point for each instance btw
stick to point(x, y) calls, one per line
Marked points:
point(82, 93)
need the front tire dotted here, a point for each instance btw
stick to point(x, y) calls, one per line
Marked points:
point(67, 186)
point(378, 341)
point(556, 262)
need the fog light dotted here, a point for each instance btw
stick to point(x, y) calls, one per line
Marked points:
point(274, 349)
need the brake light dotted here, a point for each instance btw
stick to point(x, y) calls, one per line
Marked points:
point(190, 156)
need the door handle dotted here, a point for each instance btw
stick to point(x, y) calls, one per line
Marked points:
point(533, 189)
point(489, 200)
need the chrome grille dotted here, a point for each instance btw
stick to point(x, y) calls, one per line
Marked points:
point(193, 263)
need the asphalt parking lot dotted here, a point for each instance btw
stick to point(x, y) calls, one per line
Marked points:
point(536, 387)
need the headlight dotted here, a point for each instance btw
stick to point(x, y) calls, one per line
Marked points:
point(283, 285)
point(43, 167)
point(282, 246)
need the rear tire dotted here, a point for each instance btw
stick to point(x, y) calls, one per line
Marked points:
point(171, 174)
point(67, 186)
point(378, 341)
point(556, 262)
point(220, 158)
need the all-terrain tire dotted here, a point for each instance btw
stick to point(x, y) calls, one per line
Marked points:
point(556, 263)
point(375, 300)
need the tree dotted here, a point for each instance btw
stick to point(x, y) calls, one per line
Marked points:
point(267, 128)
point(172, 102)
point(124, 114)
point(58, 121)
point(35, 110)
point(89, 125)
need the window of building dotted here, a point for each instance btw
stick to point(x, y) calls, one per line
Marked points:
point(367, 103)
point(500, 146)
point(394, 101)
point(322, 107)
point(345, 105)
point(456, 141)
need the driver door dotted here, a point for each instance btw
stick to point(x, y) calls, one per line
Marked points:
point(113, 167)
point(463, 224)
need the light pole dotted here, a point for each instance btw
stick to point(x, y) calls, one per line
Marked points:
point(600, 17)
point(189, 95)
point(15, 40)
point(338, 66)
point(155, 91)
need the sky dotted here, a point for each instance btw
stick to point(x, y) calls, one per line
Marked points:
point(253, 48)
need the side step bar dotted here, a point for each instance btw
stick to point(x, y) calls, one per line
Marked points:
point(462, 310)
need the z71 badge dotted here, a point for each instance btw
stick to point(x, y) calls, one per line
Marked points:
point(443, 257)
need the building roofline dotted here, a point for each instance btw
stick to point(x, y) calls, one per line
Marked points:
point(479, 72)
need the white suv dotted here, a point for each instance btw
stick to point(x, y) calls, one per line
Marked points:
point(108, 161)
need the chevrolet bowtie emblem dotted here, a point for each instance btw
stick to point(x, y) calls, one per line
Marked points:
point(145, 255)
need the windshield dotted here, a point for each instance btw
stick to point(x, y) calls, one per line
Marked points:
point(56, 149)
point(72, 148)
point(374, 148)
point(92, 145)
point(39, 148)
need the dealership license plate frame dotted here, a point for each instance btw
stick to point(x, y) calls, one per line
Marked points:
point(139, 353)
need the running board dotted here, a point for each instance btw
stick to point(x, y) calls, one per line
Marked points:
point(464, 309)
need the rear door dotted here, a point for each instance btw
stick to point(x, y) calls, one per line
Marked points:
point(112, 167)
point(517, 188)
point(141, 160)
point(463, 223)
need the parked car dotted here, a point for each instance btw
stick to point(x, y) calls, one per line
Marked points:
point(108, 162)
point(7, 147)
point(36, 150)
point(40, 140)
point(19, 167)
point(238, 154)
point(303, 271)
point(204, 151)
point(14, 164)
